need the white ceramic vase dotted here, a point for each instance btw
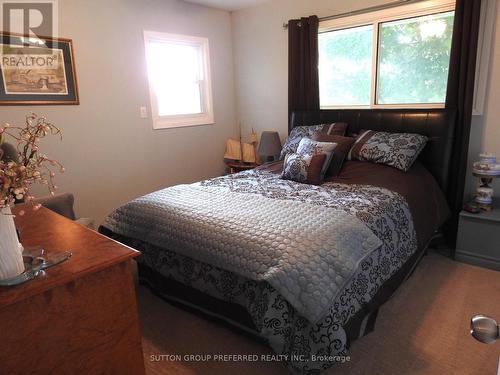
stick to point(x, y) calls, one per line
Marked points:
point(11, 251)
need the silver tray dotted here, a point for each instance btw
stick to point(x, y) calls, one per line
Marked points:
point(35, 261)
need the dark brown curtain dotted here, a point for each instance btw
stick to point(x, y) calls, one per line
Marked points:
point(459, 97)
point(303, 80)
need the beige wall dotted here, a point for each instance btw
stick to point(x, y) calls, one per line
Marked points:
point(261, 57)
point(112, 155)
point(261, 47)
point(491, 131)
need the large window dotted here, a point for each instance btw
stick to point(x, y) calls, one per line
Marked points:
point(394, 58)
point(346, 66)
point(179, 80)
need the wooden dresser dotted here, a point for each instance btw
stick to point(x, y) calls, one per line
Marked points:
point(79, 317)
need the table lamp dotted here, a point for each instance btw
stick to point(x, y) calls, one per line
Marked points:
point(486, 170)
point(269, 147)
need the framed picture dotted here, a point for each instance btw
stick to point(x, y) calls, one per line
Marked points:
point(36, 71)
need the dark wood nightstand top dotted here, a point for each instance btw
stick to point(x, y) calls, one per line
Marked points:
point(493, 215)
point(235, 167)
point(92, 252)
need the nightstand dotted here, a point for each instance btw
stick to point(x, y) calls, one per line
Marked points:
point(478, 240)
point(235, 167)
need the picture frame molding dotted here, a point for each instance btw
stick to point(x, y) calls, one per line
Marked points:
point(69, 42)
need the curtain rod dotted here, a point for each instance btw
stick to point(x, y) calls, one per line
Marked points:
point(365, 10)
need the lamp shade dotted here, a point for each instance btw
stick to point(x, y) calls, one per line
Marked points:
point(270, 146)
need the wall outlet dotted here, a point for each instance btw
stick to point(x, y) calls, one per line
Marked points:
point(144, 112)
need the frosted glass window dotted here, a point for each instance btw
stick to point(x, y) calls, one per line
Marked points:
point(174, 71)
point(179, 80)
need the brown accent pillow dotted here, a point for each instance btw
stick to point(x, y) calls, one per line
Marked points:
point(337, 128)
point(344, 144)
point(314, 176)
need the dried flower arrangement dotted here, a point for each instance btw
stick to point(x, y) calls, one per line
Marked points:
point(16, 178)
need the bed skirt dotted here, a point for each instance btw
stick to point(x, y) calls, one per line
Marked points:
point(192, 300)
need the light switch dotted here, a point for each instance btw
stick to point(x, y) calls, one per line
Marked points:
point(144, 112)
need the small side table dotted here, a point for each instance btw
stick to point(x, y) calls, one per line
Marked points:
point(479, 238)
point(235, 167)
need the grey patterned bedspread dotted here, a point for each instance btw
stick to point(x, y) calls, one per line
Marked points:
point(376, 218)
point(307, 252)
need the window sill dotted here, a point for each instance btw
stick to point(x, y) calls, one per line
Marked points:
point(387, 106)
point(180, 122)
point(173, 126)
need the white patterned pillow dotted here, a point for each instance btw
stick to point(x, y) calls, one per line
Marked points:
point(295, 167)
point(309, 147)
point(303, 168)
point(398, 150)
point(297, 134)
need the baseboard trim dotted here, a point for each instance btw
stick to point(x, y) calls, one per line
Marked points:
point(477, 260)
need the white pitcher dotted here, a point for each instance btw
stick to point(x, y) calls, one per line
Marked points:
point(11, 258)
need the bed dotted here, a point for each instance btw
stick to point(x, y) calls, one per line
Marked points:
point(303, 267)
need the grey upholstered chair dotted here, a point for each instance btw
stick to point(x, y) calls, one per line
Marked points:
point(60, 203)
point(8, 152)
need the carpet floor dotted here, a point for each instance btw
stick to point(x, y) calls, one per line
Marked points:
point(423, 329)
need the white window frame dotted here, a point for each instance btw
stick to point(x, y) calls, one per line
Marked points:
point(206, 117)
point(485, 42)
point(422, 8)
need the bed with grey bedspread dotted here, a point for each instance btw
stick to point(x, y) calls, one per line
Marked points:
point(301, 259)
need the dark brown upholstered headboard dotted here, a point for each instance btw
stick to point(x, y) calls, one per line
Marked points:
point(437, 124)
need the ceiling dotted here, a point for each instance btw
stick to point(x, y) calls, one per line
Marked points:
point(227, 4)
